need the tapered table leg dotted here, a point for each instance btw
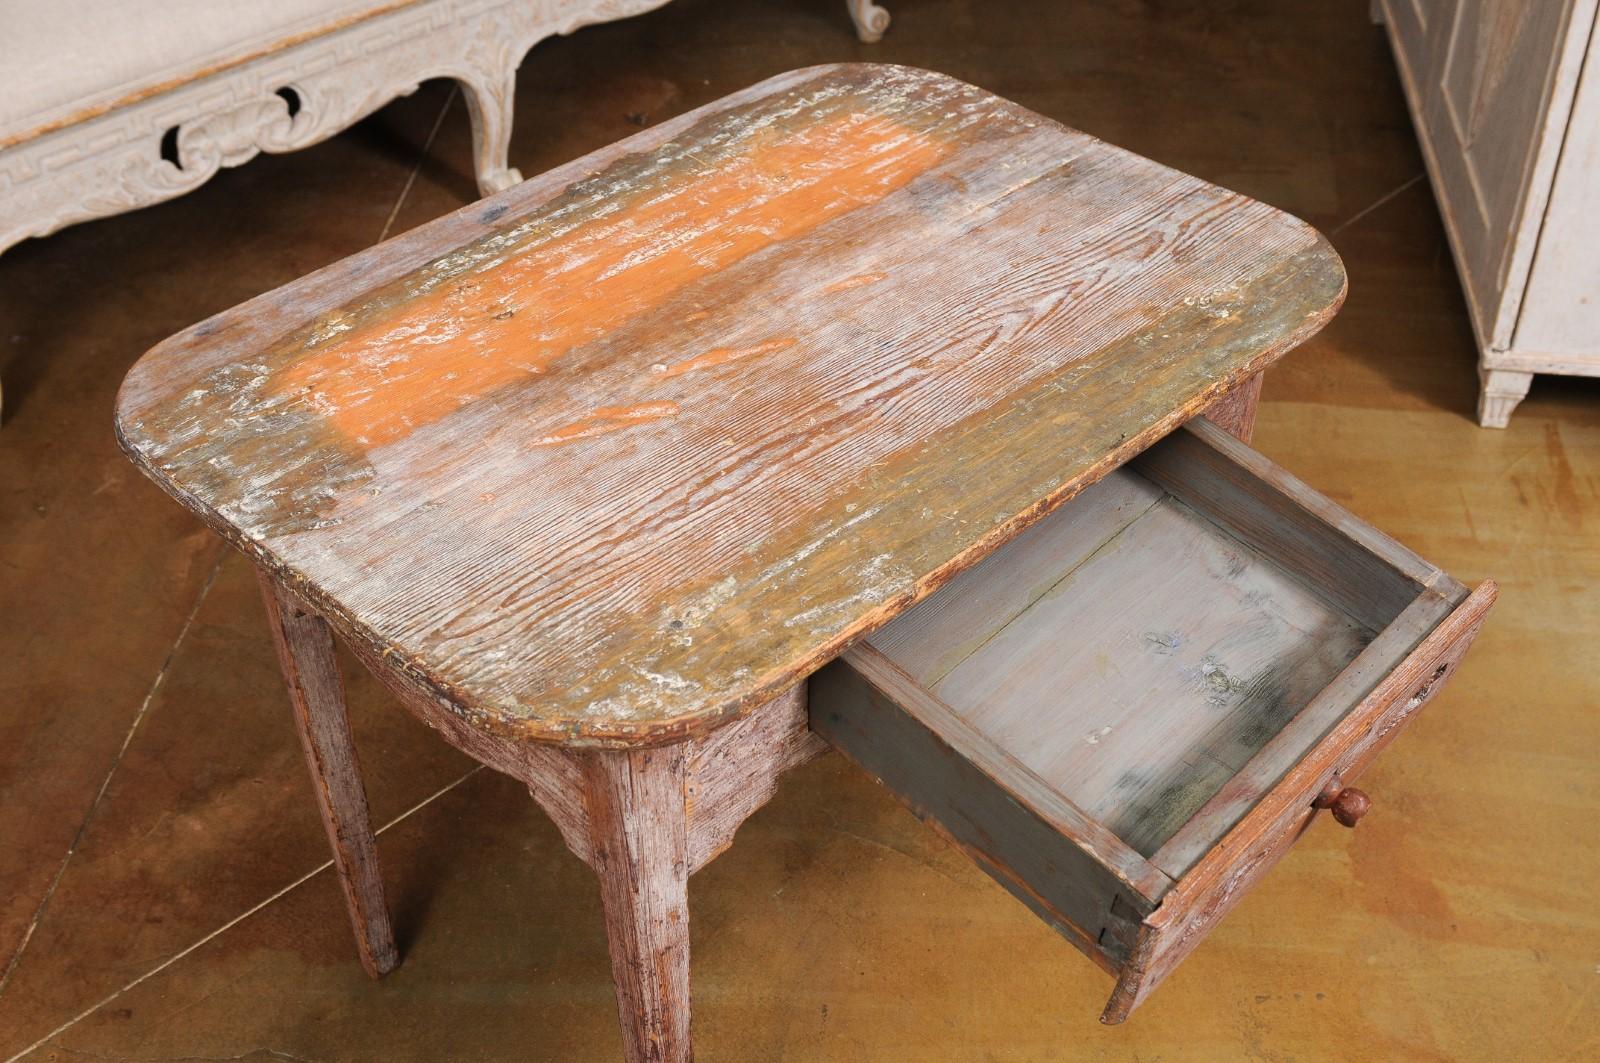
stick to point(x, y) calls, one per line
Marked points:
point(637, 825)
point(305, 650)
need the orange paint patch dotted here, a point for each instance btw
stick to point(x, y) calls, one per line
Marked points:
point(442, 349)
point(856, 282)
point(723, 355)
point(608, 419)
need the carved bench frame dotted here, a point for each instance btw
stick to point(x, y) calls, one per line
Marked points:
point(168, 142)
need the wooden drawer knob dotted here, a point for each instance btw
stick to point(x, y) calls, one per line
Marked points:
point(1346, 802)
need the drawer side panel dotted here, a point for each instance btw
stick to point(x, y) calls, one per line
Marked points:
point(1356, 567)
point(1028, 851)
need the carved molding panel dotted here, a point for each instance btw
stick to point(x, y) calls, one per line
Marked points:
point(168, 144)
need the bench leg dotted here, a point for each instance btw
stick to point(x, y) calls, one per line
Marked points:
point(637, 825)
point(305, 650)
point(871, 20)
point(491, 97)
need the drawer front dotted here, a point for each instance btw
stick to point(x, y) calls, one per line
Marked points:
point(1211, 888)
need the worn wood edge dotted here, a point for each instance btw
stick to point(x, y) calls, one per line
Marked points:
point(424, 244)
point(1021, 784)
point(1302, 783)
point(1002, 532)
point(1304, 730)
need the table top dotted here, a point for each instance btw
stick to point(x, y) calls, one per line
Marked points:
point(623, 451)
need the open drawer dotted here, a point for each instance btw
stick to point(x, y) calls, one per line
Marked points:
point(1128, 713)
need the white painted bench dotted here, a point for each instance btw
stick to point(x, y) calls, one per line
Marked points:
point(107, 105)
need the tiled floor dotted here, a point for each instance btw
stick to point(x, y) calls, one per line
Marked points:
point(163, 890)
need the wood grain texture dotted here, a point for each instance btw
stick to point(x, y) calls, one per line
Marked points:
point(638, 835)
point(1210, 889)
point(1213, 668)
point(1229, 804)
point(734, 770)
point(1218, 692)
point(316, 691)
point(944, 629)
point(1356, 567)
point(729, 773)
point(1235, 412)
point(630, 448)
point(1201, 650)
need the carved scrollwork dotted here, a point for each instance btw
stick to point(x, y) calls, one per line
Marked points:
point(115, 162)
point(51, 191)
point(235, 136)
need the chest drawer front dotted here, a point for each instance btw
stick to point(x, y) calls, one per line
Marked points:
point(1126, 714)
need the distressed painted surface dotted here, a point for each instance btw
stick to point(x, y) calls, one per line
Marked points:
point(630, 447)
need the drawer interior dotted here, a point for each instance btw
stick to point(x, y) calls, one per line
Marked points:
point(1126, 714)
point(1141, 647)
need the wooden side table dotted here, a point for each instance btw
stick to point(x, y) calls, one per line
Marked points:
point(595, 474)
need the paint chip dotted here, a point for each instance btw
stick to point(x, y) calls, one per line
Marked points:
point(723, 355)
point(608, 419)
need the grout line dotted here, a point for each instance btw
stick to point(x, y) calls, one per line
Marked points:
point(1369, 208)
point(105, 784)
point(236, 920)
point(422, 156)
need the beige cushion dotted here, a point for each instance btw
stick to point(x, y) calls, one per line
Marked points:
point(62, 61)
